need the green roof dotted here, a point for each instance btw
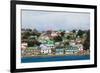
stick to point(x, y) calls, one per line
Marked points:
point(33, 47)
point(50, 42)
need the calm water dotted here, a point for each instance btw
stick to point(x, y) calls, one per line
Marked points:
point(56, 58)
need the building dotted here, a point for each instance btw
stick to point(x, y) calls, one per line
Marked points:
point(50, 43)
point(34, 50)
point(24, 45)
point(59, 51)
point(80, 47)
point(31, 51)
point(71, 50)
point(45, 49)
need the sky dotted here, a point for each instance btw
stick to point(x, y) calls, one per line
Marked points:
point(50, 20)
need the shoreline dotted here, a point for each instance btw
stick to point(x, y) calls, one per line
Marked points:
point(53, 56)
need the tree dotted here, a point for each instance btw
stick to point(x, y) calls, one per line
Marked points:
point(33, 43)
point(29, 30)
point(62, 33)
point(74, 31)
point(25, 35)
point(57, 38)
point(80, 33)
point(35, 32)
point(68, 37)
point(66, 43)
point(86, 44)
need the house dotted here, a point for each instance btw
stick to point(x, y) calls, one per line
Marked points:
point(59, 51)
point(34, 50)
point(45, 49)
point(31, 51)
point(71, 50)
point(50, 43)
point(24, 45)
point(80, 46)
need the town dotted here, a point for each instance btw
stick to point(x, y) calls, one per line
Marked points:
point(54, 42)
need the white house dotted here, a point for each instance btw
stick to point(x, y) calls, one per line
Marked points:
point(45, 49)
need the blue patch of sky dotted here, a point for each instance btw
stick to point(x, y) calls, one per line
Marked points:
point(49, 20)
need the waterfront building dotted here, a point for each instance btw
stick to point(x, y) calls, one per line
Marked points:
point(59, 51)
point(45, 49)
point(34, 50)
point(71, 50)
point(31, 51)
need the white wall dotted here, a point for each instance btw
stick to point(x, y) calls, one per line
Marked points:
point(5, 36)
